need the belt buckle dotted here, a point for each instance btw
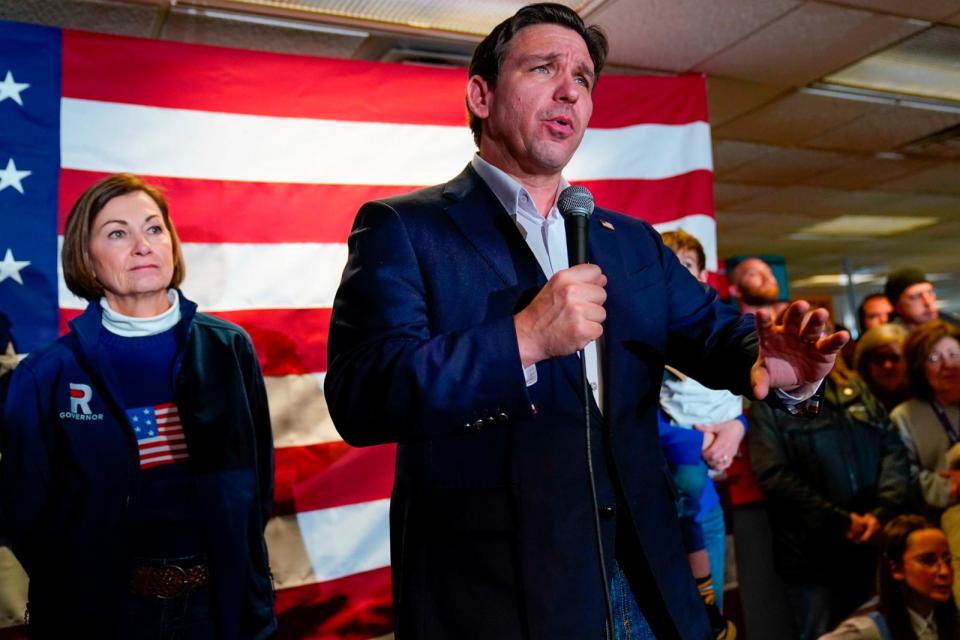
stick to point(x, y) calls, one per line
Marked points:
point(172, 582)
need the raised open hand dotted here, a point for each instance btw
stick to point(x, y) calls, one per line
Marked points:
point(795, 354)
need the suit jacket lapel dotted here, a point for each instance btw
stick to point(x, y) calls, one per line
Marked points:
point(492, 232)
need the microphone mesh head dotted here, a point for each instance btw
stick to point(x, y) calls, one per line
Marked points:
point(575, 201)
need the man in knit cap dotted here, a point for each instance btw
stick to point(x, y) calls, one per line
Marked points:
point(914, 298)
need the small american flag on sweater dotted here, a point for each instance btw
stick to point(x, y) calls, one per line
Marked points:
point(159, 434)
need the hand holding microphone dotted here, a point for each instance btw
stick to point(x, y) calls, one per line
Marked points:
point(568, 312)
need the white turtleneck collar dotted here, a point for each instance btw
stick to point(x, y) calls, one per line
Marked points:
point(130, 327)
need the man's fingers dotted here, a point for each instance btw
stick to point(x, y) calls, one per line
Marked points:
point(794, 317)
point(833, 343)
point(759, 381)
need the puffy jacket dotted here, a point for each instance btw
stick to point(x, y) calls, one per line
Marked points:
point(816, 471)
point(70, 477)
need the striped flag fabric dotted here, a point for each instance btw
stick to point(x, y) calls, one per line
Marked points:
point(265, 159)
point(159, 435)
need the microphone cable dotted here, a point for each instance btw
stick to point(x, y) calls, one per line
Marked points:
point(576, 206)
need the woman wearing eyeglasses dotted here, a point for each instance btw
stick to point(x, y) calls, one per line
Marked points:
point(879, 361)
point(929, 422)
point(914, 579)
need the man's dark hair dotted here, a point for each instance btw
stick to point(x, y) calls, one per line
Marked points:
point(489, 55)
point(861, 308)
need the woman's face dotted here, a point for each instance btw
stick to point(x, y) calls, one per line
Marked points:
point(942, 369)
point(132, 254)
point(886, 367)
point(927, 569)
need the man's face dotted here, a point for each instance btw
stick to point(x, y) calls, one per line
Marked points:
point(876, 311)
point(535, 116)
point(689, 259)
point(756, 283)
point(918, 304)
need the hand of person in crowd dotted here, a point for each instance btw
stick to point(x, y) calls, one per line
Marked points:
point(872, 527)
point(858, 525)
point(727, 436)
point(954, 475)
point(708, 440)
point(565, 315)
point(796, 355)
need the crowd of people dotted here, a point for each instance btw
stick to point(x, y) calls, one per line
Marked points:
point(559, 425)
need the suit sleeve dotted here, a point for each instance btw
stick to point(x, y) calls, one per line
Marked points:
point(25, 461)
point(893, 485)
point(391, 377)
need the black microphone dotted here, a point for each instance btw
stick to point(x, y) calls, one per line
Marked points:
point(576, 206)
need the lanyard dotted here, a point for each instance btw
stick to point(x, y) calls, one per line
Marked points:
point(948, 427)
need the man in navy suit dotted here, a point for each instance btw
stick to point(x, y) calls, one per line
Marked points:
point(455, 333)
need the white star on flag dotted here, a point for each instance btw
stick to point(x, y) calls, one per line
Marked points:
point(11, 268)
point(10, 177)
point(11, 89)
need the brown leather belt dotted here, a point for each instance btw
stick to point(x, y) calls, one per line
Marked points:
point(167, 581)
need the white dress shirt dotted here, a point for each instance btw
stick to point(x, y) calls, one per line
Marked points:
point(547, 239)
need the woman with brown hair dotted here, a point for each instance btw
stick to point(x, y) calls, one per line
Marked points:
point(137, 460)
point(914, 581)
point(929, 422)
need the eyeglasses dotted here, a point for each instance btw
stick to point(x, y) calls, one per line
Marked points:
point(947, 356)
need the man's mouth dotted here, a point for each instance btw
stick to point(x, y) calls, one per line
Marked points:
point(561, 125)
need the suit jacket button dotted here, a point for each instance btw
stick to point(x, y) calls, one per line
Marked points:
point(607, 510)
point(478, 424)
point(490, 419)
point(502, 417)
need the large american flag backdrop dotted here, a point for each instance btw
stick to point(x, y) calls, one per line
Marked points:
point(265, 159)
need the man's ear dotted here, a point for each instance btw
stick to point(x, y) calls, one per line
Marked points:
point(478, 96)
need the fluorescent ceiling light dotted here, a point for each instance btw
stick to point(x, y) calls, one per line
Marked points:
point(836, 280)
point(864, 226)
point(472, 18)
point(926, 65)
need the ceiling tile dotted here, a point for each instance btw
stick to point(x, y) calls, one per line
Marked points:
point(730, 154)
point(820, 202)
point(796, 118)
point(954, 20)
point(944, 178)
point(645, 33)
point(785, 166)
point(729, 193)
point(926, 10)
point(808, 43)
point(886, 129)
point(730, 98)
point(866, 171)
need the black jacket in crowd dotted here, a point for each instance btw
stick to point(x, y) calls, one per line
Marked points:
point(816, 471)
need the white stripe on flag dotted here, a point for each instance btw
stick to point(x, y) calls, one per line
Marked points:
point(235, 277)
point(220, 146)
point(345, 540)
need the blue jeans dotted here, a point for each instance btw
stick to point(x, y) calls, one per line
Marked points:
point(715, 542)
point(628, 621)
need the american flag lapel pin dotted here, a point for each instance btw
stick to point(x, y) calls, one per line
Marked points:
point(606, 225)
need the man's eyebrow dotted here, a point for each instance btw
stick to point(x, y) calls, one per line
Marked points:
point(530, 58)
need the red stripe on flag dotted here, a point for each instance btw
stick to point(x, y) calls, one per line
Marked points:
point(287, 341)
point(332, 474)
point(178, 75)
point(357, 607)
point(621, 101)
point(258, 212)
point(656, 201)
point(151, 72)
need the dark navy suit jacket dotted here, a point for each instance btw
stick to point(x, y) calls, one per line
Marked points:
point(491, 520)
